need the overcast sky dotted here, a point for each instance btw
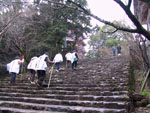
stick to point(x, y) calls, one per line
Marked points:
point(107, 10)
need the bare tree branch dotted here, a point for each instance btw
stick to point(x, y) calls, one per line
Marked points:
point(139, 28)
point(7, 26)
point(104, 21)
point(129, 3)
point(111, 31)
point(114, 25)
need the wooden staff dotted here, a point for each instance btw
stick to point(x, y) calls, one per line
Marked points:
point(21, 71)
point(22, 68)
point(66, 63)
point(51, 71)
point(143, 85)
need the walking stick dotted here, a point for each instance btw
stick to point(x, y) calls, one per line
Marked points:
point(22, 67)
point(21, 71)
point(66, 64)
point(143, 85)
point(51, 71)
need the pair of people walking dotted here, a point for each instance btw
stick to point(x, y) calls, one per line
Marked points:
point(72, 57)
point(39, 64)
point(118, 50)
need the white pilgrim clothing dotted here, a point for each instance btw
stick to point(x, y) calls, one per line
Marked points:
point(58, 58)
point(68, 56)
point(33, 62)
point(41, 63)
point(15, 66)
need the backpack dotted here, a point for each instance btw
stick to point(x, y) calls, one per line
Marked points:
point(75, 59)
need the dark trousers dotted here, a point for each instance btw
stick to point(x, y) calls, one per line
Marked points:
point(67, 63)
point(32, 75)
point(57, 65)
point(41, 76)
point(114, 53)
point(13, 77)
point(74, 65)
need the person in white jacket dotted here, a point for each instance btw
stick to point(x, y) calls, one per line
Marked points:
point(68, 57)
point(41, 68)
point(58, 59)
point(14, 68)
point(32, 68)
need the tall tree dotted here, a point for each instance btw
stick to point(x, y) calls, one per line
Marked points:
point(54, 21)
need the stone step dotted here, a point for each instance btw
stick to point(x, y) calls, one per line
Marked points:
point(85, 74)
point(70, 97)
point(118, 82)
point(82, 76)
point(112, 80)
point(73, 81)
point(89, 85)
point(88, 74)
point(71, 85)
point(101, 104)
point(96, 87)
point(108, 79)
point(33, 87)
point(62, 108)
point(64, 92)
point(16, 110)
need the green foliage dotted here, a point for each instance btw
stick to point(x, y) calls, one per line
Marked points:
point(112, 42)
point(94, 54)
point(145, 93)
point(91, 54)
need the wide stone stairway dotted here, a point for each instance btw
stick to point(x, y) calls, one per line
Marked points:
point(97, 86)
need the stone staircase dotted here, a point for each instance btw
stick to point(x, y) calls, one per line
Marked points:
point(97, 86)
